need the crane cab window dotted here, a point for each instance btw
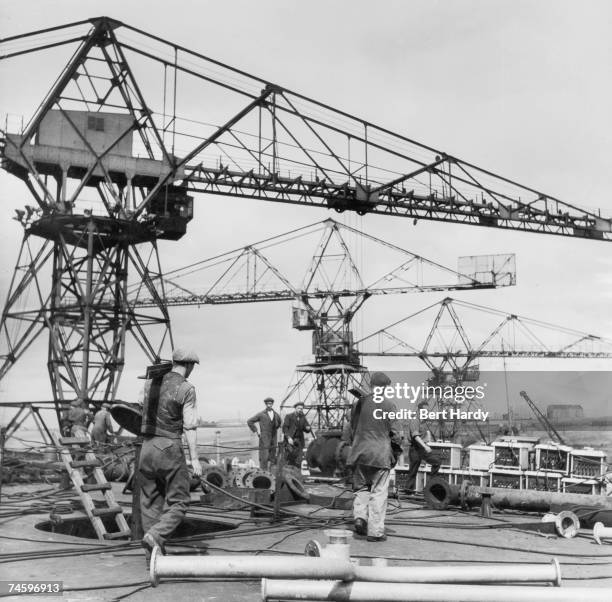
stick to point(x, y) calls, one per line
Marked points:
point(95, 123)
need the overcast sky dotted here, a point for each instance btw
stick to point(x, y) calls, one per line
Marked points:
point(521, 88)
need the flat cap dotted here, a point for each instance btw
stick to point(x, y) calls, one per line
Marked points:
point(298, 403)
point(185, 356)
point(379, 379)
point(268, 399)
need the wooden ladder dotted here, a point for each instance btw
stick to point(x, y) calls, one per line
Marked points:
point(67, 446)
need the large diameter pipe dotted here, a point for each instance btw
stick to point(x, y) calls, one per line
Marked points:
point(494, 573)
point(440, 494)
point(358, 591)
point(243, 566)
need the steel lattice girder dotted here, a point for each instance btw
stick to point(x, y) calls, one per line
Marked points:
point(249, 137)
point(86, 311)
point(324, 390)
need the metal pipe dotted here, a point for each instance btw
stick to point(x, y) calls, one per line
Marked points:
point(566, 523)
point(339, 591)
point(440, 494)
point(329, 567)
point(243, 566)
point(494, 573)
point(601, 532)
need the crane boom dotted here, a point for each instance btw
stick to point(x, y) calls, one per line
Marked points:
point(248, 137)
point(542, 419)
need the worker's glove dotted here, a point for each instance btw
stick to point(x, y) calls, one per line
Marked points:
point(290, 441)
point(197, 468)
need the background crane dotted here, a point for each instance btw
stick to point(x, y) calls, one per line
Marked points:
point(111, 167)
point(451, 337)
point(322, 269)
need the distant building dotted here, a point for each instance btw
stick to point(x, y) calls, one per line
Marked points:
point(564, 411)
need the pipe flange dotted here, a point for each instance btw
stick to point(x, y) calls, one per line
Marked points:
point(599, 532)
point(313, 548)
point(557, 581)
point(437, 493)
point(463, 494)
point(340, 463)
point(153, 566)
point(236, 476)
point(295, 484)
point(215, 476)
point(260, 479)
point(567, 524)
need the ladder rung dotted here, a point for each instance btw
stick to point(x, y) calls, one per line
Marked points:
point(107, 511)
point(82, 463)
point(117, 534)
point(96, 487)
point(74, 441)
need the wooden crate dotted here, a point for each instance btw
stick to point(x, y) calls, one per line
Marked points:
point(506, 479)
point(543, 481)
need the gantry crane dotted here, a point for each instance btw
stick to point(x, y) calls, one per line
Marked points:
point(327, 291)
point(112, 167)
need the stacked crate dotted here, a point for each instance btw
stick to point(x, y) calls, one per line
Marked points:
point(510, 461)
point(585, 467)
point(553, 458)
point(481, 457)
point(507, 479)
point(543, 480)
point(450, 453)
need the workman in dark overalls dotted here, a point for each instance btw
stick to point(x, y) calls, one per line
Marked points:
point(169, 411)
point(419, 451)
point(375, 446)
point(102, 429)
point(294, 427)
point(79, 417)
point(269, 422)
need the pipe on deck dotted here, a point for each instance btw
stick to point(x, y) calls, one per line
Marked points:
point(357, 591)
point(243, 566)
point(306, 567)
point(440, 494)
point(601, 532)
point(494, 573)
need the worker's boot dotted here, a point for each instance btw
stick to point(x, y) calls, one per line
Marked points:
point(148, 543)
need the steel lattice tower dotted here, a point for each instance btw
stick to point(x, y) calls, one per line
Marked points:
point(71, 277)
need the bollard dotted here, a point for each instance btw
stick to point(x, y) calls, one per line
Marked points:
point(485, 508)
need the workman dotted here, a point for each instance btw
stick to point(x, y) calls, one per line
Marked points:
point(418, 451)
point(79, 417)
point(375, 447)
point(269, 422)
point(102, 429)
point(294, 427)
point(169, 411)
